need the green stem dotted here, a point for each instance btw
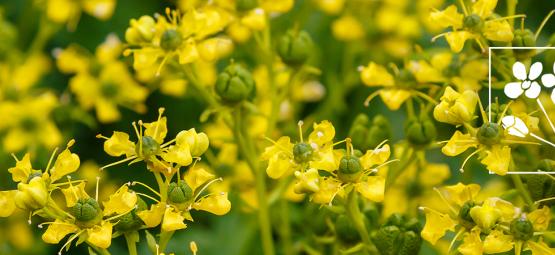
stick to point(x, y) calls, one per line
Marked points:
point(246, 148)
point(522, 190)
point(356, 216)
point(285, 227)
point(165, 239)
point(131, 245)
point(162, 187)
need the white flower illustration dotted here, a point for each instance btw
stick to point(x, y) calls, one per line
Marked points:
point(548, 81)
point(527, 83)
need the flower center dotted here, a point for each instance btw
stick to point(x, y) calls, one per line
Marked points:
point(109, 90)
point(86, 210)
point(489, 134)
point(150, 147)
point(171, 39)
point(349, 168)
point(473, 22)
point(522, 229)
point(302, 152)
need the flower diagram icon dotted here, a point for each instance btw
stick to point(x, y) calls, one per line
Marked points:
point(528, 85)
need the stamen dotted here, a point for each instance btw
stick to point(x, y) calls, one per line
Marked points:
point(504, 112)
point(349, 145)
point(300, 125)
point(118, 162)
point(102, 137)
point(467, 158)
point(68, 242)
point(72, 189)
point(147, 196)
point(370, 97)
point(206, 186)
point(160, 112)
point(122, 214)
point(29, 219)
point(97, 184)
point(483, 112)
point(543, 24)
point(461, 231)
point(146, 186)
point(50, 160)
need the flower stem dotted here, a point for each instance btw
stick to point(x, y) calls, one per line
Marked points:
point(165, 237)
point(131, 245)
point(247, 149)
point(356, 216)
point(522, 190)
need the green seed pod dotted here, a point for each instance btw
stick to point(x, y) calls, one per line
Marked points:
point(395, 219)
point(410, 243)
point(346, 231)
point(245, 5)
point(180, 192)
point(302, 152)
point(235, 84)
point(87, 211)
point(522, 229)
point(489, 134)
point(368, 134)
point(171, 39)
point(131, 221)
point(33, 174)
point(295, 47)
point(387, 239)
point(150, 147)
point(464, 215)
point(524, 38)
point(473, 22)
point(420, 132)
point(349, 168)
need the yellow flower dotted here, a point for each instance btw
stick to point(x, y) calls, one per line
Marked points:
point(57, 231)
point(7, 203)
point(172, 220)
point(177, 37)
point(478, 22)
point(394, 90)
point(100, 236)
point(28, 122)
point(472, 244)
point(68, 11)
point(497, 242)
point(436, 225)
point(456, 108)
point(66, 163)
point(347, 28)
point(331, 7)
point(120, 202)
point(217, 204)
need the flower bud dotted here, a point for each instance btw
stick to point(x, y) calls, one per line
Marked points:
point(294, 47)
point(349, 168)
point(87, 212)
point(522, 229)
point(179, 193)
point(245, 5)
point(198, 142)
point(420, 132)
point(524, 38)
point(235, 84)
point(148, 148)
point(302, 152)
point(386, 239)
point(32, 195)
point(141, 30)
point(489, 134)
point(473, 22)
point(346, 231)
point(171, 39)
point(368, 134)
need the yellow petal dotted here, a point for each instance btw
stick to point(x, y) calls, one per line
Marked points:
point(7, 202)
point(460, 193)
point(197, 176)
point(394, 98)
point(484, 8)
point(157, 129)
point(372, 189)
point(217, 204)
point(540, 248)
point(73, 193)
point(497, 242)
point(472, 244)
point(279, 165)
point(179, 154)
point(118, 144)
point(173, 220)
point(120, 202)
point(347, 28)
point(375, 157)
point(376, 75)
point(434, 174)
point(255, 19)
point(101, 236)
point(485, 216)
point(66, 163)
point(436, 225)
point(282, 144)
point(329, 188)
point(458, 144)
point(457, 39)
point(22, 169)
point(325, 159)
point(498, 30)
point(33, 195)
point(497, 159)
point(322, 133)
point(307, 181)
point(448, 17)
point(107, 111)
point(57, 231)
point(153, 216)
point(101, 9)
point(540, 218)
point(61, 11)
